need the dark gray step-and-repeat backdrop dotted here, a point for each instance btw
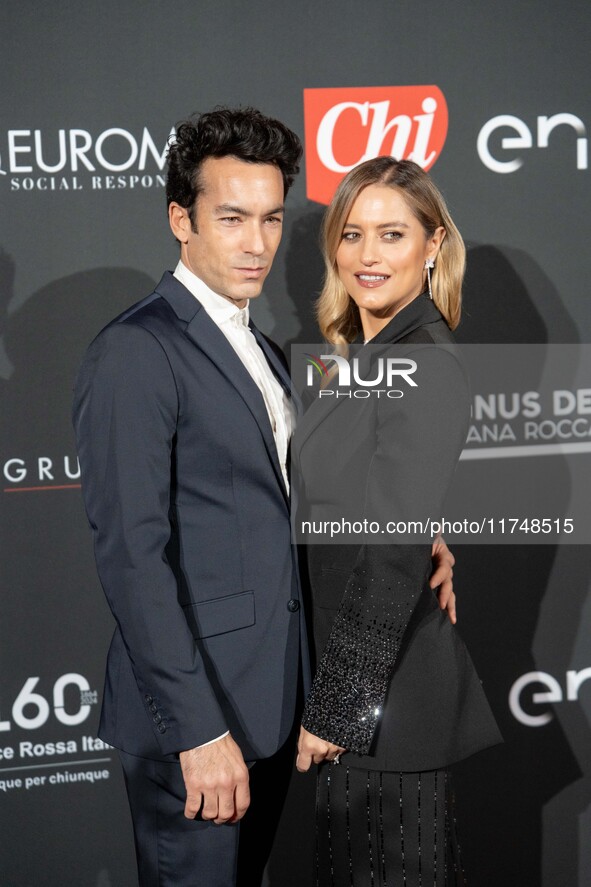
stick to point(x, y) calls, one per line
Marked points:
point(494, 100)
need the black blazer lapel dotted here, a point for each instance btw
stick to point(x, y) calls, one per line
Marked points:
point(318, 411)
point(418, 313)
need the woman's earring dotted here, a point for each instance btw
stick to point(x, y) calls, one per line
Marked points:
point(429, 263)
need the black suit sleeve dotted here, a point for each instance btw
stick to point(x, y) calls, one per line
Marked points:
point(417, 445)
point(125, 415)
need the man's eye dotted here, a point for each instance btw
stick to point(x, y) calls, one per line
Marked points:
point(230, 219)
point(276, 220)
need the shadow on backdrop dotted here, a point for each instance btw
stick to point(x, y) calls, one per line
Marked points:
point(502, 795)
point(507, 298)
point(304, 271)
point(7, 272)
point(54, 617)
point(45, 340)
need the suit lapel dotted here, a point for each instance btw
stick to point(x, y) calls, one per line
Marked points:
point(323, 407)
point(205, 334)
point(276, 365)
point(418, 313)
point(278, 368)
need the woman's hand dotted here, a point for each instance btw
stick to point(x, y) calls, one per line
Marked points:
point(313, 750)
point(443, 561)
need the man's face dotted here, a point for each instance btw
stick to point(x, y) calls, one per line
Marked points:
point(238, 222)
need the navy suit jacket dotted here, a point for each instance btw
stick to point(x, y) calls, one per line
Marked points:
point(190, 518)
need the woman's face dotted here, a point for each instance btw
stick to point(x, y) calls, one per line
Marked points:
point(381, 256)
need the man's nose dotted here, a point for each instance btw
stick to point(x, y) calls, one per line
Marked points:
point(253, 239)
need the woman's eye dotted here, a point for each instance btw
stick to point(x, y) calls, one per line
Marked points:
point(392, 235)
point(350, 236)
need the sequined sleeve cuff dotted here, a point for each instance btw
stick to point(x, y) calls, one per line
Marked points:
point(349, 690)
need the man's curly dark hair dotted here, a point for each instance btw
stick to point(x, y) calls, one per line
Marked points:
point(244, 133)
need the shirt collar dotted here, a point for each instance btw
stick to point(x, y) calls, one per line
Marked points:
point(220, 310)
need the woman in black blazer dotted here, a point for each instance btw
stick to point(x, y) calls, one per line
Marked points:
point(395, 692)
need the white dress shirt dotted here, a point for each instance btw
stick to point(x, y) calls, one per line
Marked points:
point(233, 323)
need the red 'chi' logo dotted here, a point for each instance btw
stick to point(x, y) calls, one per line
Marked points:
point(345, 126)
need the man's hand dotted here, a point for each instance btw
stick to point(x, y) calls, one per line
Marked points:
point(443, 561)
point(216, 779)
point(313, 750)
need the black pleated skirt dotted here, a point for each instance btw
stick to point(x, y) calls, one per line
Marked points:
point(378, 829)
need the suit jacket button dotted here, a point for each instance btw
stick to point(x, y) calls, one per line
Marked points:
point(153, 708)
point(157, 718)
point(293, 605)
point(161, 728)
point(148, 699)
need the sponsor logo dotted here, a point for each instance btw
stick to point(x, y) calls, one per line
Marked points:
point(32, 710)
point(42, 473)
point(345, 126)
point(528, 400)
point(557, 421)
point(502, 136)
point(78, 159)
point(552, 692)
point(67, 758)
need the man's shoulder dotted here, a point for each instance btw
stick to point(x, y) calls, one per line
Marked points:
point(155, 313)
point(148, 313)
point(153, 305)
point(140, 332)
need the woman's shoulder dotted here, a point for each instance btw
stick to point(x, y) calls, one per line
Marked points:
point(437, 333)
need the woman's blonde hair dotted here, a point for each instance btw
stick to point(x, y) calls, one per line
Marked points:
point(338, 316)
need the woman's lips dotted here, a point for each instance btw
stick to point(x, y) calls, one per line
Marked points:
point(370, 281)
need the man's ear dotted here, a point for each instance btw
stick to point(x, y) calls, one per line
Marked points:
point(180, 223)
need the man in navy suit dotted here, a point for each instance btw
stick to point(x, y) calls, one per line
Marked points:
point(183, 417)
